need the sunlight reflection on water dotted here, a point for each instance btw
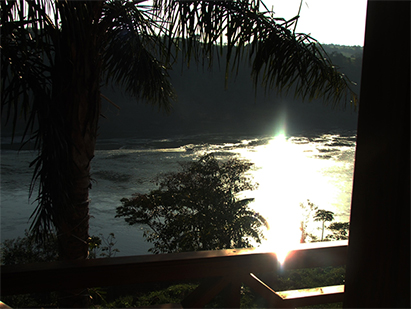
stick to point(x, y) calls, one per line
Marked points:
point(288, 174)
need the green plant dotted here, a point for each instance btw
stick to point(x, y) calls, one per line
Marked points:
point(107, 250)
point(172, 294)
point(308, 211)
point(197, 208)
point(339, 230)
point(127, 301)
point(22, 250)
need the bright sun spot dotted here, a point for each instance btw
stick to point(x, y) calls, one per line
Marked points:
point(286, 178)
point(275, 197)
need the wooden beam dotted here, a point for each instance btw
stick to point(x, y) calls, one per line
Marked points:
point(42, 277)
point(319, 254)
point(233, 293)
point(313, 296)
point(4, 306)
point(296, 298)
point(273, 300)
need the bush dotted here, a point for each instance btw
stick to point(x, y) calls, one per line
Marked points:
point(172, 294)
point(28, 250)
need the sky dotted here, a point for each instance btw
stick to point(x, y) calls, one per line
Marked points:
point(328, 21)
point(339, 22)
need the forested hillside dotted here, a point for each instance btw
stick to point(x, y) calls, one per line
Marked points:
point(206, 106)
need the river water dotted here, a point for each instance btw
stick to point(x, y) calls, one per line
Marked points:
point(289, 170)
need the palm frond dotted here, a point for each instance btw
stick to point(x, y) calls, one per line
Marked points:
point(29, 42)
point(130, 54)
point(50, 49)
point(26, 58)
point(280, 58)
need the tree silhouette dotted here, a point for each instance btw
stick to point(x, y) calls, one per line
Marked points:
point(197, 208)
point(339, 230)
point(309, 210)
point(323, 216)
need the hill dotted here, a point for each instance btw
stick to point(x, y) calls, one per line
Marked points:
point(206, 106)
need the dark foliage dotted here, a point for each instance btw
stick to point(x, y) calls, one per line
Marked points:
point(197, 208)
point(27, 250)
point(339, 229)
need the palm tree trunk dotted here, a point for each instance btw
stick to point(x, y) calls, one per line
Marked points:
point(322, 231)
point(74, 231)
point(80, 107)
point(81, 123)
point(77, 81)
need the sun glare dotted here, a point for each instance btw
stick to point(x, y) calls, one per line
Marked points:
point(275, 197)
point(288, 174)
point(286, 178)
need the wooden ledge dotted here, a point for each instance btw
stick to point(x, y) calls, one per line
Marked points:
point(42, 277)
point(326, 290)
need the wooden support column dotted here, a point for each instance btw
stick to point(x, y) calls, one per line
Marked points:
point(378, 261)
point(233, 296)
point(272, 299)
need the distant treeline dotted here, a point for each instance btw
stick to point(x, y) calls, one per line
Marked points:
point(206, 104)
point(347, 51)
point(347, 58)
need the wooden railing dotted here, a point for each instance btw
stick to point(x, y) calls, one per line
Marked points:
point(215, 270)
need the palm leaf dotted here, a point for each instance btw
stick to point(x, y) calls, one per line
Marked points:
point(130, 53)
point(37, 40)
point(281, 59)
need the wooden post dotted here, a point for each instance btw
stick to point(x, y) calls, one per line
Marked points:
point(378, 264)
point(233, 293)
